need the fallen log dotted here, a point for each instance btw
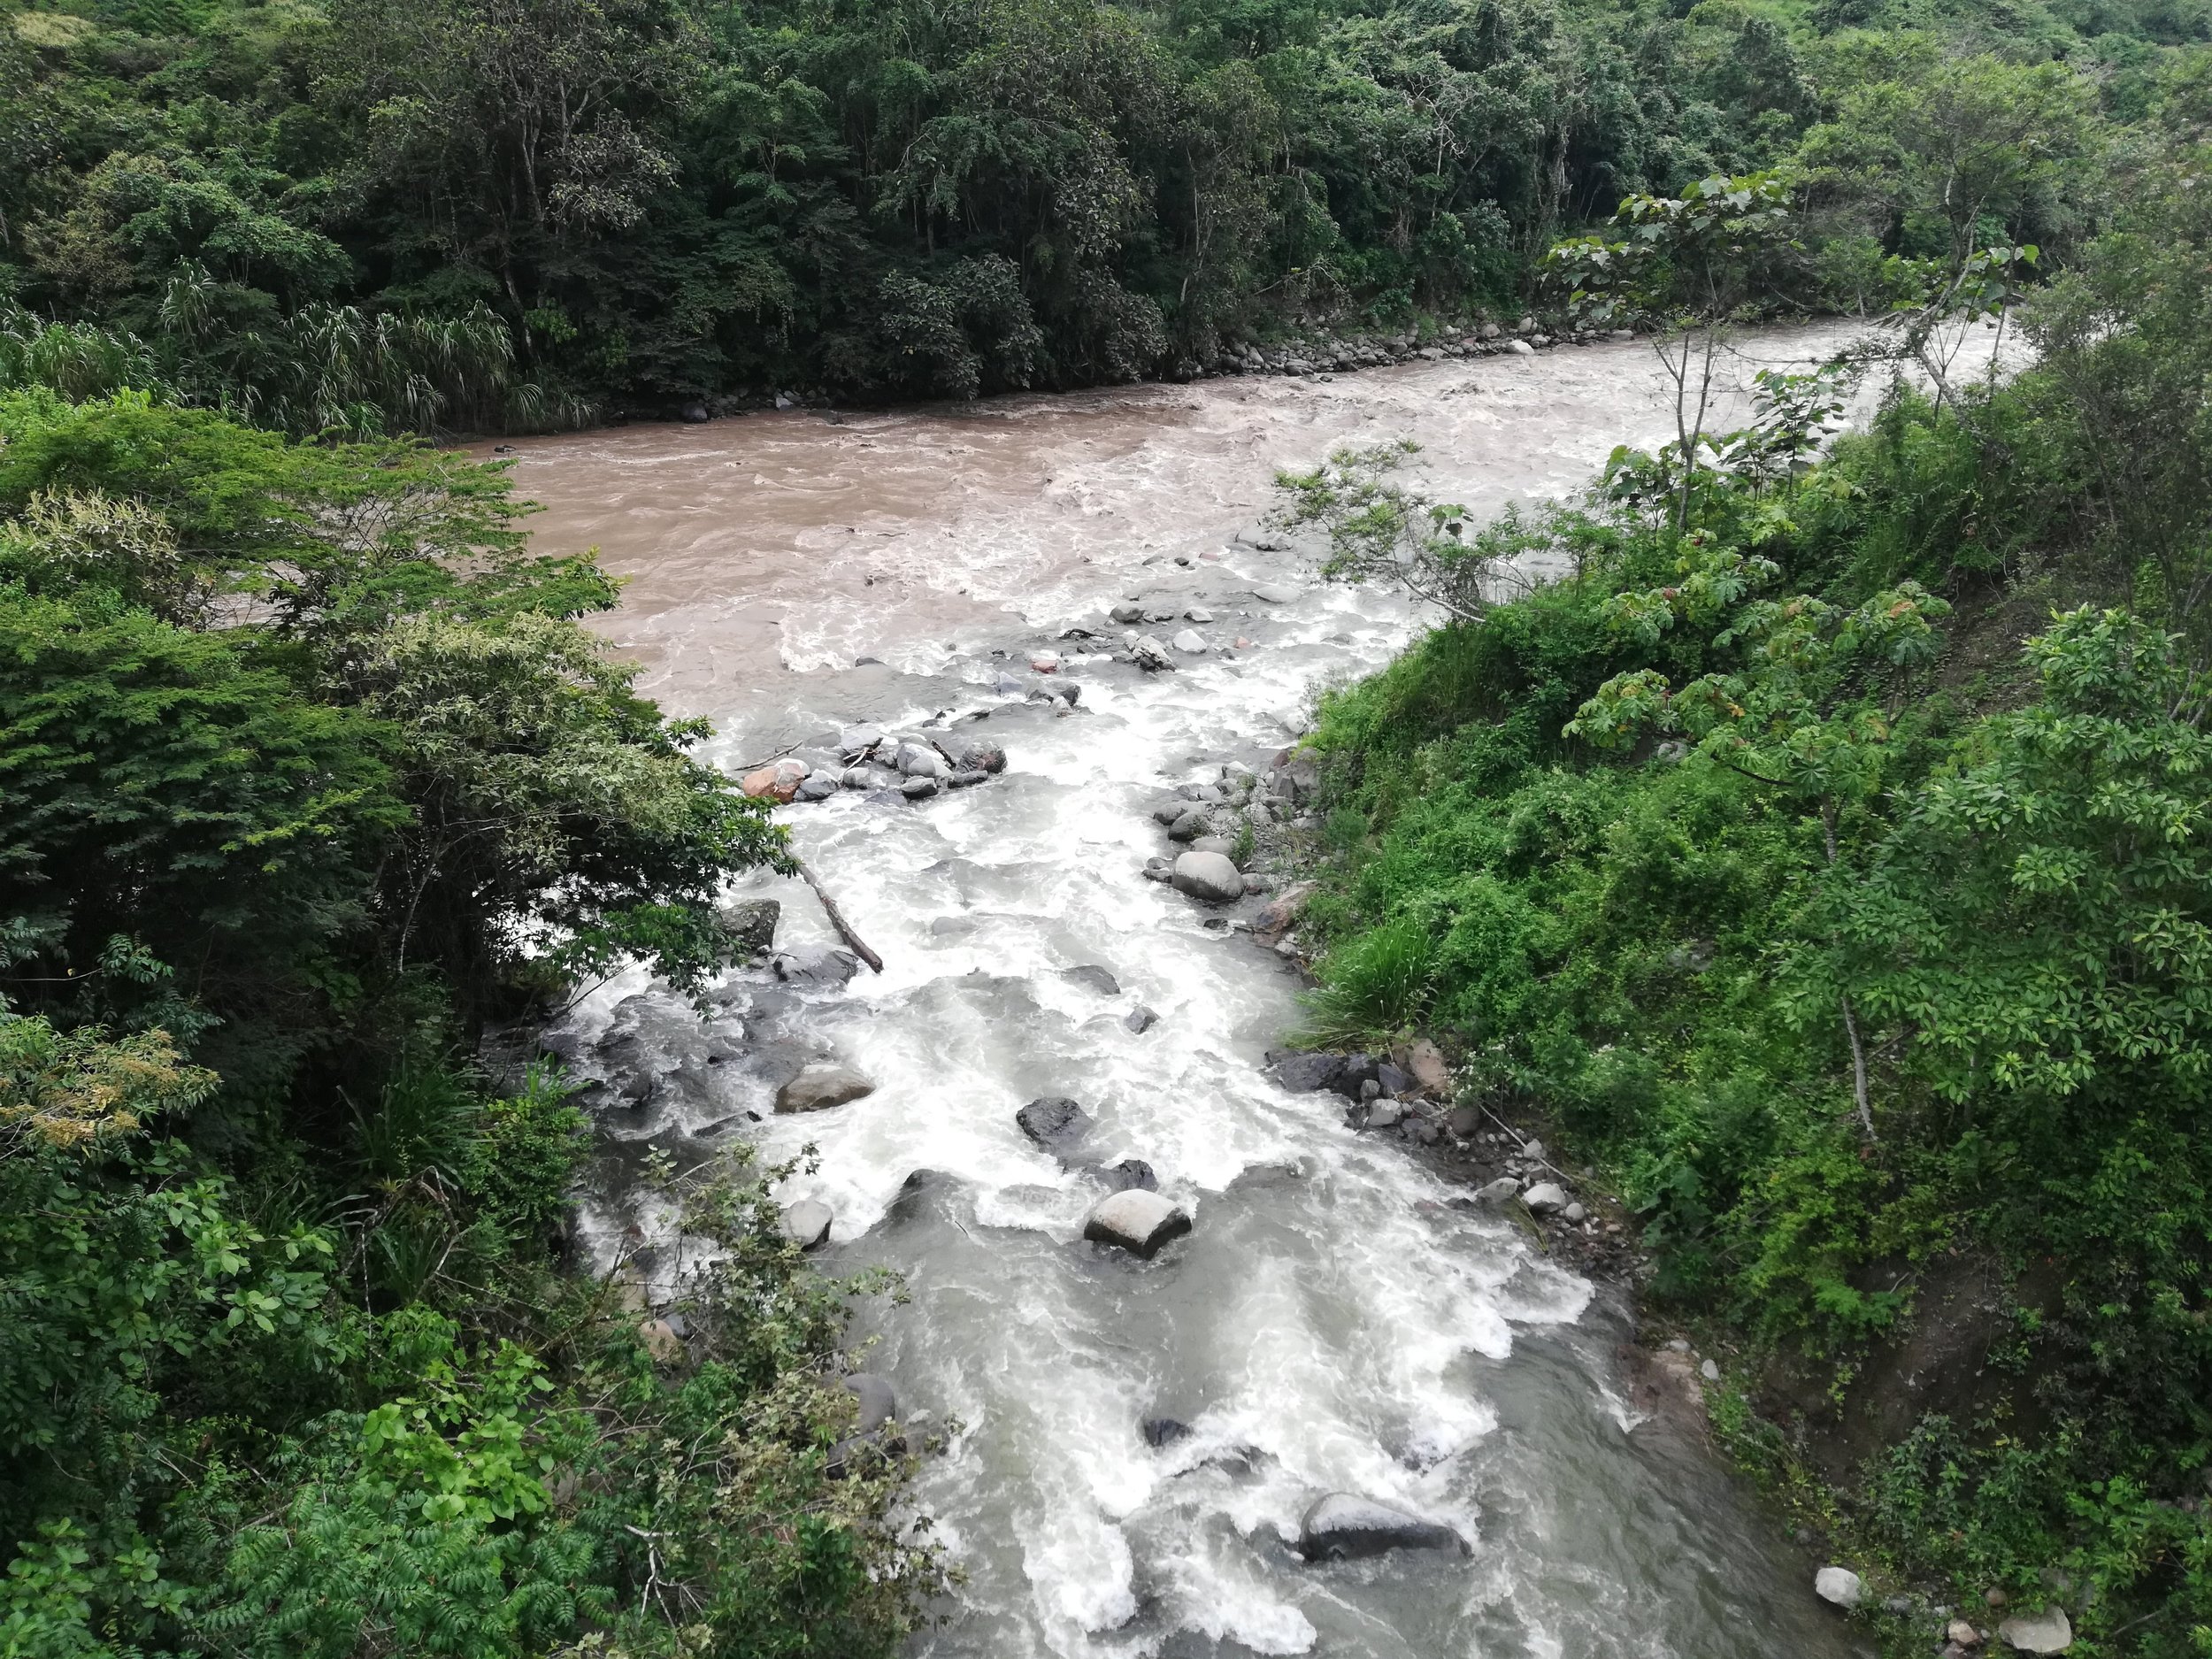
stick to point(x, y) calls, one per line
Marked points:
point(837, 918)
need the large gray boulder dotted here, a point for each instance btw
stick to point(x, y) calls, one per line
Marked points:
point(921, 760)
point(1137, 1221)
point(1546, 1198)
point(1839, 1586)
point(2047, 1631)
point(969, 753)
point(816, 964)
point(856, 740)
point(1207, 877)
point(1091, 977)
point(879, 1409)
point(751, 927)
point(1190, 642)
point(821, 1086)
point(1304, 1073)
point(1338, 1526)
point(1054, 1123)
point(807, 1224)
point(1149, 655)
point(820, 786)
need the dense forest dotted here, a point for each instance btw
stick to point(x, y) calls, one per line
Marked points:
point(374, 216)
point(1828, 855)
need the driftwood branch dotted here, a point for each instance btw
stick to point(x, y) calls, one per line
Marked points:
point(837, 918)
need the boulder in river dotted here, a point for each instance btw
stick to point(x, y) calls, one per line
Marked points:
point(821, 1086)
point(968, 753)
point(1839, 1586)
point(807, 1224)
point(1189, 825)
point(855, 743)
point(1141, 1018)
point(751, 927)
point(919, 788)
point(1054, 1123)
point(777, 782)
point(1091, 977)
point(1149, 655)
point(1135, 1220)
point(1128, 612)
point(1190, 642)
point(1208, 877)
point(2047, 1631)
point(1338, 1526)
point(819, 785)
point(879, 1407)
point(1162, 1431)
point(1304, 1073)
point(1128, 1174)
point(816, 964)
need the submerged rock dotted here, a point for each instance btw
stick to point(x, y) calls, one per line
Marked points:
point(1341, 1527)
point(1093, 978)
point(1162, 1431)
point(1141, 1018)
point(1136, 1220)
point(821, 1086)
point(1208, 877)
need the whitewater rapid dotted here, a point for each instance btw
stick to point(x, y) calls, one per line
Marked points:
point(1339, 1319)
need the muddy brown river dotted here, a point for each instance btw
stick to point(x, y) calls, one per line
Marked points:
point(1340, 1319)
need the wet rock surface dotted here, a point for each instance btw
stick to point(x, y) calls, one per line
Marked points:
point(1340, 1526)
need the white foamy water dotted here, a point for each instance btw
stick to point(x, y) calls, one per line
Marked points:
point(1339, 1319)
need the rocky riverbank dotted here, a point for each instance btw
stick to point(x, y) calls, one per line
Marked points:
point(1318, 355)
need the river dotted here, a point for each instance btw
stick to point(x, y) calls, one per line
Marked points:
point(1339, 1319)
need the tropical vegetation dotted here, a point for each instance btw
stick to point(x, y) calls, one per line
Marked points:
point(1828, 858)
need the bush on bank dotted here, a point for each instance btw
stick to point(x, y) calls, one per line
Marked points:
point(1833, 863)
